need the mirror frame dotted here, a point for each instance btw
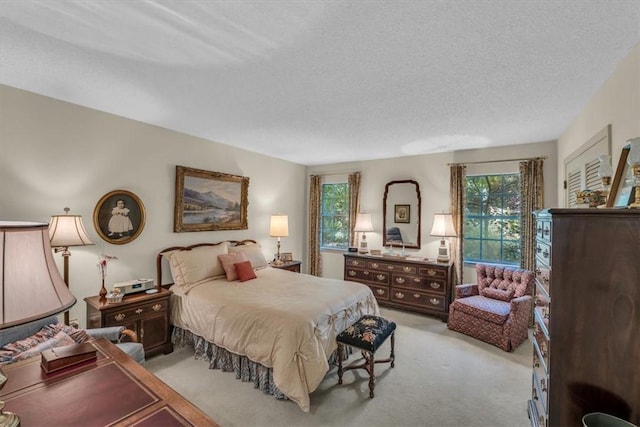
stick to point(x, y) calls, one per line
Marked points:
point(384, 214)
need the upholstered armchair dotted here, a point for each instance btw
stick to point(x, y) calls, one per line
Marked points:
point(496, 308)
point(48, 332)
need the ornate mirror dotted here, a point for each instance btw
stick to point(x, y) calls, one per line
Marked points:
point(401, 214)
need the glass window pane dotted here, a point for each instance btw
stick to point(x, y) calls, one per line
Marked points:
point(472, 249)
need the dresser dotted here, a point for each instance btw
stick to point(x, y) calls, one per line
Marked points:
point(586, 345)
point(111, 390)
point(413, 285)
point(146, 314)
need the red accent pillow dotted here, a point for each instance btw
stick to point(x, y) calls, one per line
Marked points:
point(228, 263)
point(245, 271)
point(498, 294)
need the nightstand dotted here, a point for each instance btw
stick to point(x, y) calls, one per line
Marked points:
point(291, 266)
point(146, 314)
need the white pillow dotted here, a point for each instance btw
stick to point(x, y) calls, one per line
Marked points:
point(254, 254)
point(195, 265)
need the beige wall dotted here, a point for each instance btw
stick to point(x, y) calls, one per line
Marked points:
point(432, 174)
point(617, 103)
point(55, 154)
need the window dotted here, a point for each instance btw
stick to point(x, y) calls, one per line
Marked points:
point(334, 226)
point(492, 219)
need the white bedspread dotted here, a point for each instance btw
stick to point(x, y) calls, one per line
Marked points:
point(283, 320)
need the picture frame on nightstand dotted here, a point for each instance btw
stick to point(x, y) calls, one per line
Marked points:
point(286, 256)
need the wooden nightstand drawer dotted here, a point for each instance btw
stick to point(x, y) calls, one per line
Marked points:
point(128, 314)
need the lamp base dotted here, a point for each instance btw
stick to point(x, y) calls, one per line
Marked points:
point(363, 248)
point(443, 252)
point(8, 419)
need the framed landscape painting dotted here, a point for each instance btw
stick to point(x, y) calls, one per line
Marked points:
point(209, 201)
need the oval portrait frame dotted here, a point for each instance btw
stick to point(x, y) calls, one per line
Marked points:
point(119, 228)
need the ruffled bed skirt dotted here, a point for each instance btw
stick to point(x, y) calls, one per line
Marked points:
point(245, 369)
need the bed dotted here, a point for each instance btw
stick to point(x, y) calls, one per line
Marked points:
point(276, 329)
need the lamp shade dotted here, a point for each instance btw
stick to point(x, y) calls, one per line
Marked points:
point(30, 283)
point(68, 230)
point(363, 223)
point(279, 225)
point(443, 225)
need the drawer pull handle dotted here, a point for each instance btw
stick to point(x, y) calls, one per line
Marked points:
point(546, 231)
point(399, 295)
point(431, 272)
point(390, 267)
point(352, 273)
point(400, 279)
point(156, 307)
point(538, 249)
point(434, 301)
point(417, 279)
point(545, 253)
point(366, 273)
point(120, 316)
point(356, 262)
point(138, 311)
point(435, 285)
point(416, 296)
point(381, 277)
point(375, 265)
point(407, 269)
point(379, 291)
point(543, 384)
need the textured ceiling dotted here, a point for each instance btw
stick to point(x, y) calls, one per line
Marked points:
point(319, 82)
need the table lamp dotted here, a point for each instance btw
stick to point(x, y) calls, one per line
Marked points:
point(443, 227)
point(363, 224)
point(27, 269)
point(279, 228)
point(605, 172)
point(65, 231)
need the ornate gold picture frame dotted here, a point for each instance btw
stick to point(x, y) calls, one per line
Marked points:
point(210, 201)
point(119, 217)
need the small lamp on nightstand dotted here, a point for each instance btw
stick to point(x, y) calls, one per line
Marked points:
point(279, 228)
point(363, 224)
point(443, 227)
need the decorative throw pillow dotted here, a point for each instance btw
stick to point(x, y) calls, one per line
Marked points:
point(254, 254)
point(195, 265)
point(245, 271)
point(228, 261)
point(47, 337)
point(498, 294)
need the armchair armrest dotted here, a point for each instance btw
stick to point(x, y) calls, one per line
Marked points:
point(113, 333)
point(467, 290)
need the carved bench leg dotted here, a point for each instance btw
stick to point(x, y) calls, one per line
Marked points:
point(393, 346)
point(372, 375)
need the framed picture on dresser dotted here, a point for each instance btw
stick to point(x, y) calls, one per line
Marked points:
point(621, 193)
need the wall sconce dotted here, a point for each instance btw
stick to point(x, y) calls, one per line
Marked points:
point(65, 231)
point(279, 228)
point(363, 224)
point(30, 283)
point(634, 161)
point(443, 227)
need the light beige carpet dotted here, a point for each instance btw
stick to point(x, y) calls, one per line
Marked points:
point(441, 378)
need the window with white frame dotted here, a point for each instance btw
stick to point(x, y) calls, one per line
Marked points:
point(334, 224)
point(492, 221)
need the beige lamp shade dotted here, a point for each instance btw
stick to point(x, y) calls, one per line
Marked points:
point(68, 230)
point(31, 287)
point(443, 225)
point(363, 223)
point(279, 225)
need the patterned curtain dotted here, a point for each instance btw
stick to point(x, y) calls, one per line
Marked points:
point(532, 194)
point(457, 195)
point(315, 199)
point(354, 205)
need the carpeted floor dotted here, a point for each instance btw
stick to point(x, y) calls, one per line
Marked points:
point(441, 378)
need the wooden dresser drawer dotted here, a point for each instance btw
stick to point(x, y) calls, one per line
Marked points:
point(433, 272)
point(381, 278)
point(543, 277)
point(419, 283)
point(385, 266)
point(380, 292)
point(126, 315)
point(422, 299)
point(543, 255)
point(354, 262)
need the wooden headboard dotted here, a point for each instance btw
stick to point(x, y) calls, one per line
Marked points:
point(188, 248)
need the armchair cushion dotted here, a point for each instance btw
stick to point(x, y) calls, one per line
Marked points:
point(499, 294)
point(489, 309)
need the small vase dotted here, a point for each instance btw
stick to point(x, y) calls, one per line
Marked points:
point(103, 290)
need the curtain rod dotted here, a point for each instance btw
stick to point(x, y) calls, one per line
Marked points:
point(333, 173)
point(498, 161)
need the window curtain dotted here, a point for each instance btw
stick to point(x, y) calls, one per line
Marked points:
point(532, 199)
point(315, 199)
point(457, 195)
point(354, 206)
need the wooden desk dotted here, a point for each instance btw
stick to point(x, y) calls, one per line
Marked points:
point(114, 390)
